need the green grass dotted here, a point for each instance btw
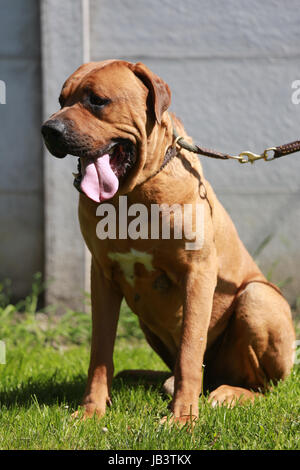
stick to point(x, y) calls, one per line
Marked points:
point(44, 377)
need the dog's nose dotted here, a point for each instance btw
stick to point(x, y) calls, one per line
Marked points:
point(53, 130)
point(54, 133)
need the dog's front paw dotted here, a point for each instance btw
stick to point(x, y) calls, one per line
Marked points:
point(89, 410)
point(183, 412)
point(180, 420)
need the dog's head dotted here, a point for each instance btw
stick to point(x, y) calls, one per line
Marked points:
point(108, 110)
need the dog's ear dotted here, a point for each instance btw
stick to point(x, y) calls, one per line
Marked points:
point(159, 90)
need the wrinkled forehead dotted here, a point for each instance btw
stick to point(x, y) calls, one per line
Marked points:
point(104, 78)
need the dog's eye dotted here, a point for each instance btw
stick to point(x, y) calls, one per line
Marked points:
point(96, 100)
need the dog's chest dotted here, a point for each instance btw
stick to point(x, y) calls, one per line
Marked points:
point(127, 263)
point(150, 293)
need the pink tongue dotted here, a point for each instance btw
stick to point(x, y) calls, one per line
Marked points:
point(98, 182)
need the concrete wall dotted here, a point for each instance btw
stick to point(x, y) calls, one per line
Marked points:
point(66, 267)
point(230, 66)
point(39, 228)
point(21, 182)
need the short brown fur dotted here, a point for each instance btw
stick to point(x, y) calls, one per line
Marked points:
point(211, 305)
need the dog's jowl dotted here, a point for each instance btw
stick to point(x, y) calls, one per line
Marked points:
point(198, 303)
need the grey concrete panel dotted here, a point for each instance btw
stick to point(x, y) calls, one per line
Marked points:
point(20, 120)
point(193, 28)
point(21, 239)
point(19, 29)
point(62, 46)
point(21, 179)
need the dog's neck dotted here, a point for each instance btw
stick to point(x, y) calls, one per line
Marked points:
point(180, 167)
point(160, 146)
point(158, 143)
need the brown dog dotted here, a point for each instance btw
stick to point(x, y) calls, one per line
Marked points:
point(202, 304)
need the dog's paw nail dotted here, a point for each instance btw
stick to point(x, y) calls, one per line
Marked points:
point(214, 403)
point(164, 420)
point(77, 414)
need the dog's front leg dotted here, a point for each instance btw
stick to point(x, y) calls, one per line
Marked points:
point(199, 287)
point(106, 301)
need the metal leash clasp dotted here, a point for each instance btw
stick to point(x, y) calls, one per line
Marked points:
point(252, 157)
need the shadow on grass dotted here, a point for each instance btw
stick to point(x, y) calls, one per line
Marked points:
point(56, 392)
point(47, 392)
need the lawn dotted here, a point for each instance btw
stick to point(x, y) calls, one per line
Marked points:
point(44, 377)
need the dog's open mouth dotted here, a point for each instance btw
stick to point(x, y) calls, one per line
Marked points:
point(99, 176)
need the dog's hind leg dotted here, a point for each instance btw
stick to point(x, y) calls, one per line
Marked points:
point(257, 347)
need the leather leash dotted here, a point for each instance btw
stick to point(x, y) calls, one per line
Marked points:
point(251, 157)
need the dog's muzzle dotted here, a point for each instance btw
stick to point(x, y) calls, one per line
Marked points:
point(100, 171)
